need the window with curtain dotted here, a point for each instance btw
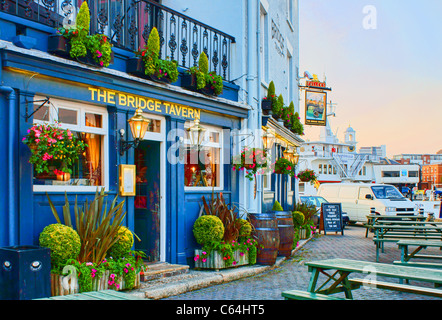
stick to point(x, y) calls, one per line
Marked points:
point(203, 168)
point(88, 124)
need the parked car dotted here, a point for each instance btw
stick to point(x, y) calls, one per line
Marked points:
point(357, 199)
point(317, 201)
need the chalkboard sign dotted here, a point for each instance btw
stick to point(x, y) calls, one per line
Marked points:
point(331, 218)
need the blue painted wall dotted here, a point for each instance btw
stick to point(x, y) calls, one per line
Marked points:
point(24, 213)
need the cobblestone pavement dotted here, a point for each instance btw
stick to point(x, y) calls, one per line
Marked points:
point(293, 274)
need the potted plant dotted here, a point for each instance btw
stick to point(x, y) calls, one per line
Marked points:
point(225, 239)
point(147, 64)
point(296, 125)
point(252, 160)
point(52, 147)
point(102, 257)
point(267, 102)
point(201, 80)
point(277, 108)
point(75, 42)
point(284, 166)
point(307, 175)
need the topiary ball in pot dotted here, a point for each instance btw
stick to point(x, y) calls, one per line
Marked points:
point(124, 243)
point(207, 229)
point(245, 229)
point(298, 218)
point(63, 241)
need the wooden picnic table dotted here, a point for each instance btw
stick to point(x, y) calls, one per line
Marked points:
point(95, 295)
point(373, 219)
point(395, 232)
point(340, 282)
point(406, 255)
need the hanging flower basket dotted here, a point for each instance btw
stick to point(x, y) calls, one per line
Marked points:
point(252, 160)
point(51, 146)
point(307, 176)
point(284, 166)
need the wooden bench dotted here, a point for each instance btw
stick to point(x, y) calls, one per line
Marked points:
point(397, 232)
point(95, 295)
point(337, 272)
point(434, 292)
point(419, 264)
point(305, 295)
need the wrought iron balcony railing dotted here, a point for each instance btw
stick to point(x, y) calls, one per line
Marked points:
point(128, 24)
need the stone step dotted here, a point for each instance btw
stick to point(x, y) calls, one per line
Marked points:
point(158, 270)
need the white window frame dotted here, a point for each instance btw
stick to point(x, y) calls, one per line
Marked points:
point(82, 109)
point(218, 145)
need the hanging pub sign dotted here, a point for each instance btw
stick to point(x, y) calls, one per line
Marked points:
point(315, 108)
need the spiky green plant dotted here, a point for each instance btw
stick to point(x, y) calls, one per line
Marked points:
point(96, 225)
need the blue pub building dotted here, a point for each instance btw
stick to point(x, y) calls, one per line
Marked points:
point(163, 199)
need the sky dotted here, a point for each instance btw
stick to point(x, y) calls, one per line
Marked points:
point(384, 66)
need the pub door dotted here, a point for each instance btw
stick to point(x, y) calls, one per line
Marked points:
point(148, 199)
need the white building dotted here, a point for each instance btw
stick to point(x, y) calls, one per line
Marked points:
point(335, 161)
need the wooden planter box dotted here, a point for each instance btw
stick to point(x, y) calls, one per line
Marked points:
point(304, 234)
point(215, 260)
point(64, 285)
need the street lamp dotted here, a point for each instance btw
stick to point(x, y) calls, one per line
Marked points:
point(138, 126)
point(267, 140)
point(196, 133)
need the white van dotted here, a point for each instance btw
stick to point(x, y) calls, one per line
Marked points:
point(357, 199)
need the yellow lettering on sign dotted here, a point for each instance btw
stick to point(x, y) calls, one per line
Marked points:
point(150, 105)
point(93, 90)
point(101, 94)
point(111, 97)
point(134, 101)
point(121, 99)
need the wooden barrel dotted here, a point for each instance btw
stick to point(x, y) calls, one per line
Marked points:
point(286, 232)
point(265, 230)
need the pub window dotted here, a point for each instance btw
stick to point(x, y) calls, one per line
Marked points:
point(88, 124)
point(320, 169)
point(204, 168)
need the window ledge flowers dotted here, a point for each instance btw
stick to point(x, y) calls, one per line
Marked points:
point(52, 146)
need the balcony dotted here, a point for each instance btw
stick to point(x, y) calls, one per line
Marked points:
point(128, 23)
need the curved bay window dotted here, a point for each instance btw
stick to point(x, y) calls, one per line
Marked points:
point(89, 125)
point(203, 167)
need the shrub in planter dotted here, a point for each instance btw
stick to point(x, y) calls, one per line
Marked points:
point(124, 243)
point(296, 125)
point(200, 79)
point(208, 229)
point(245, 228)
point(63, 241)
point(277, 206)
point(153, 67)
point(90, 49)
point(232, 248)
point(278, 107)
point(298, 218)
